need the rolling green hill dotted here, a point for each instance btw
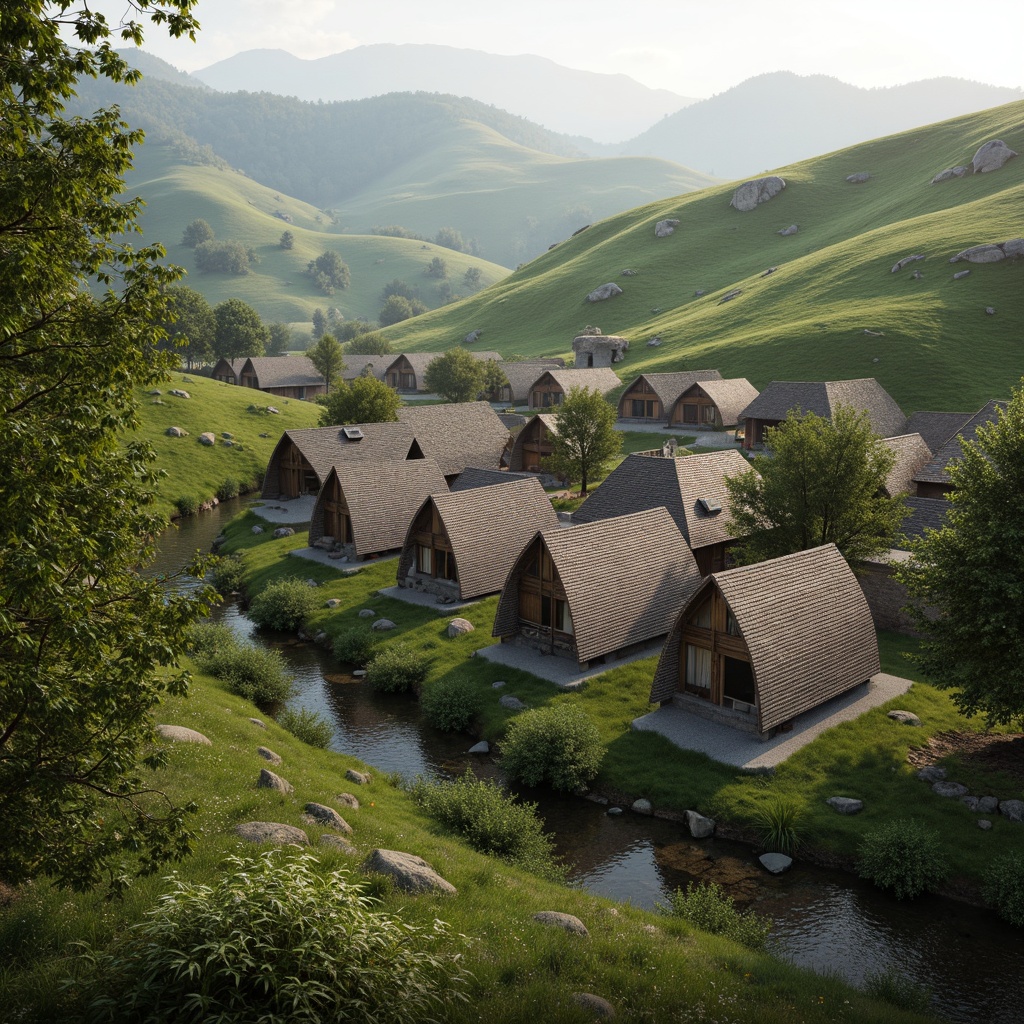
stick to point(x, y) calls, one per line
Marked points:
point(831, 310)
point(242, 210)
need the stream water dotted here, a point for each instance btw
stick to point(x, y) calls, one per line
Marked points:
point(825, 920)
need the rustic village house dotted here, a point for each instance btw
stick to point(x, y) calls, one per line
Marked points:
point(933, 479)
point(694, 399)
point(596, 350)
point(755, 646)
point(462, 545)
point(911, 455)
point(405, 371)
point(550, 389)
point(521, 377)
point(533, 443)
point(283, 376)
point(936, 428)
point(598, 591)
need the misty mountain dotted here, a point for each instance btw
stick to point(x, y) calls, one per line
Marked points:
point(604, 107)
point(776, 119)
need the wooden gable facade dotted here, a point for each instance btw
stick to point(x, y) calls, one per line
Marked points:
point(224, 371)
point(283, 376)
point(550, 388)
point(533, 444)
point(405, 372)
point(651, 397)
point(712, 404)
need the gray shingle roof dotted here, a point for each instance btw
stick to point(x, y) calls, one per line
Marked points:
point(382, 498)
point(911, 455)
point(281, 371)
point(937, 470)
point(521, 376)
point(643, 482)
point(457, 435)
point(487, 528)
point(731, 397)
point(925, 514)
point(936, 427)
point(822, 397)
point(476, 476)
point(669, 386)
point(355, 365)
point(604, 378)
point(624, 580)
point(807, 627)
point(419, 361)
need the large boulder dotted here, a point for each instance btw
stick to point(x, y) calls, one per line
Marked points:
point(642, 806)
point(321, 814)
point(207, 439)
point(410, 873)
point(176, 432)
point(699, 826)
point(931, 773)
point(989, 253)
point(268, 755)
point(666, 227)
point(775, 863)
point(991, 156)
point(347, 800)
point(181, 734)
point(900, 264)
point(956, 790)
point(556, 919)
point(606, 291)
point(594, 1005)
point(1012, 810)
point(904, 717)
point(859, 178)
point(268, 780)
point(458, 627)
point(359, 778)
point(730, 295)
point(752, 193)
point(382, 625)
point(471, 337)
point(271, 832)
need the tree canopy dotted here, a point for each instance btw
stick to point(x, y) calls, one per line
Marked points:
point(971, 573)
point(327, 356)
point(587, 439)
point(364, 399)
point(195, 232)
point(456, 376)
point(819, 481)
point(279, 339)
point(368, 343)
point(87, 645)
point(191, 328)
point(240, 331)
point(397, 308)
point(329, 272)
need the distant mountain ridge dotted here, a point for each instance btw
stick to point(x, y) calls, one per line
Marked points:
point(779, 118)
point(605, 107)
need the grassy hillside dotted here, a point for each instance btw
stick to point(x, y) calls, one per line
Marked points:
point(242, 210)
point(932, 344)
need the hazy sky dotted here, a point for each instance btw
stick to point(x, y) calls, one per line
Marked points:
point(695, 49)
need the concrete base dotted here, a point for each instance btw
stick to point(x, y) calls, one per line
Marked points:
point(424, 600)
point(295, 510)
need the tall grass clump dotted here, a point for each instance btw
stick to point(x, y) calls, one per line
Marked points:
point(306, 725)
point(903, 857)
point(491, 821)
point(285, 605)
point(780, 822)
point(1003, 887)
point(396, 668)
point(451, 704)
point(228, 573)
point(321, 952)
point(355, 645)
point(895, 987)
point(706, 906)
point(558, 745)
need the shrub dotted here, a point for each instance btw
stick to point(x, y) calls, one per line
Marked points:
point(187, 505)
point(451, 704)
point(320, 952)
point(307, 726)
point(1003, 887)
point(707, 907)
point(355, 645)
point(396, 668)
point(228, 489)
point(206, 640)
point(780, 824)
point(228, 573)
point(252, 672)
point(895, 987)
point(491, 821)
point(904, 857)
point(285, 605)
point(558, 745)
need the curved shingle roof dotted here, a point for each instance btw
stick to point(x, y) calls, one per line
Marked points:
point(937, 470)
point(911, 455)
point(669, 386)
point(282, 371)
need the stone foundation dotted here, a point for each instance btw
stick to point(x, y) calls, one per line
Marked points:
point(446, 591)
point(724, 716)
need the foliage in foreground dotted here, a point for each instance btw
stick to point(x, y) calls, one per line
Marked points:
point(276, 941)
point(1004, 887)
point(364, 399)
point(895, 987)
point(356, 645)
point(903, 857)
point(707, 907)
point(558, 745)
point(284, 605)
point(491, 821)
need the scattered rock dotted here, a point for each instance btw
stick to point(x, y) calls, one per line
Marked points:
point(347, 800)
point(321, 814)
point(988, 253)
point(367, 613)
point(179, 393)
point(699, 292)
point(614, 811)
point(383, 625)
point(207, 439)
point(775, 863)
point(271, 832)
point(359, 778)
point(931, 773)
point(284, 531)
point(752, 193)
point(990, 310)
point(359, 673)
point(459, 627)
point(338, 842)
point(1014, 248)
point(641, 806)
point(729, 296)
point(483, 747)
point(180, 734)
point(594, 1004)
point(786, 232)
point(769, 271)
point(949, 172)
point(984, 824)
point(596, 798)
point(349, 572)
point(988, 804)
point(990, 157)
point(258, 722)
point(904, 717)
point(655, 342)
point(606, 291)
point(960, 274)
point(900, 264)
point(917, 275)
point(332, 602)
point(1012, 810)
point(874, 334)
point(700, 826)
point(268, 780)
point(411, 873)
point(859, 178)
point(627, 273)
point(511, 703)
point(666, 227)
point(970, 802)
point(257, 529)
point(497, 684)
point(273, 411)
point(154, 391)
point(554, 919)
point(471, 337)
point(268, 755)
point(176, 432)
point(845, 804)
point(950, 789)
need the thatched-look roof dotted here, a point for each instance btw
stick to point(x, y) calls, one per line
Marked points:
point(669, 386)
point(523, 375)
point(925, 514)
point(356, 365)
point(477, 476)
point(624, 580)
point(603, 378)
point(822, 398)
point(688, 487)
point(806, 625)
point(730, 396)
point(457, 435)
point(281, 372)
point(486, 527)
point(936, 428)
point(382, 498)
point(911, 455)
point(419, 361)
point(937, 470)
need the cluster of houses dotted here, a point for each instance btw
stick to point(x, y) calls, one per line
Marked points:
point(645, 557)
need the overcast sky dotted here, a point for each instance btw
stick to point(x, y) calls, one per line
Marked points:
point(694, 49)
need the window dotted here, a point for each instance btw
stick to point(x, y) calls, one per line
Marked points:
point(445, 565)
point(707, 414)
point(642, 409)
point(698, 671)
point(689, 412)
point(732, 627)
point(738, 680)
point(563, 620)
point(702, 616)
point(424, 559)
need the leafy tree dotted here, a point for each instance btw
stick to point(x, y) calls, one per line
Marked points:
point(240, 331)
point(494, 377)
point(820, 482)
point(396, 286)
point(279, 339)
point(472, 277)
point(84, 639)
point(364, 399)
point(437, 267)
point(455, 376)
point(329, 272)
point(327, 357)
point(191, 326)
point(972, 572)
point(352, 329)
point(587, 439)
point(395, 310)
point(197, 231)
point(450, 238)
point(369, 343)
point(225, 257)
point(319, 324)
point(287, 240)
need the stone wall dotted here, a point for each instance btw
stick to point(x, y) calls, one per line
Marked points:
point(446, 591)
point(886, 598)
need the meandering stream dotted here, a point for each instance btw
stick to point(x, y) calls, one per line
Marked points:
point(825, 920)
